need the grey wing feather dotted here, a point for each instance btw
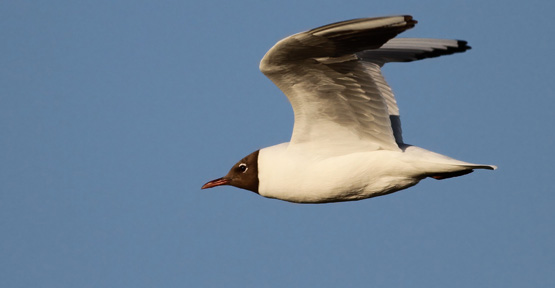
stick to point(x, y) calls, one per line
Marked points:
point(389, 98)
point(331, 75)
point(412, 49)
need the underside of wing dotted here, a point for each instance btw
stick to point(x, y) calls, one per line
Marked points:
point(334, 98)
point(340, 104)
point(331, 75)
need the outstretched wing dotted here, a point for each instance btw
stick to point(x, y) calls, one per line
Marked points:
point(334, 83)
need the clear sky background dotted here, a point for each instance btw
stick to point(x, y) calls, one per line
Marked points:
point(114, 113)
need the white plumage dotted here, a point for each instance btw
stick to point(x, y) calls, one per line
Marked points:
point(346, 142)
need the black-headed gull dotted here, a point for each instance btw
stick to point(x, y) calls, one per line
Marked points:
point(346, 143)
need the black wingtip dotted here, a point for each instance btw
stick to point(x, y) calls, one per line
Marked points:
point(411, 22)
point(462, 46)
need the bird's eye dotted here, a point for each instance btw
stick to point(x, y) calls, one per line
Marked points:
point(243, 167)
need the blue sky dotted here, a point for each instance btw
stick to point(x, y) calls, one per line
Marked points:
point(114, 113)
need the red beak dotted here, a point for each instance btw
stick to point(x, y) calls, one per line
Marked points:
point(216, 182)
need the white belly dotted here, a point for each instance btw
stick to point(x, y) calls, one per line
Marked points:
point(298, 176)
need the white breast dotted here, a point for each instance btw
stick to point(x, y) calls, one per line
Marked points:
point(296, 175)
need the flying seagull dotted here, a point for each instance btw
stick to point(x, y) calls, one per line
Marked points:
point(346, 143)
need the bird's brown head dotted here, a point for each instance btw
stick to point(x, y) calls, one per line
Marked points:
point(242, 175)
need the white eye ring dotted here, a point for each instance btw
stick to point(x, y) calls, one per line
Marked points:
point(243, 167)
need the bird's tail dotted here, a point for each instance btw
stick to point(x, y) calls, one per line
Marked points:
point(439, 166)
